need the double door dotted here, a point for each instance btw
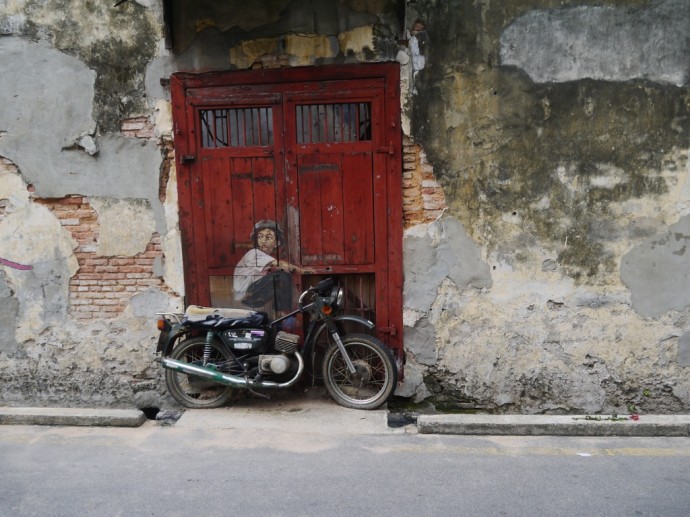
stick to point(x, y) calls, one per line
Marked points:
point(311, 156)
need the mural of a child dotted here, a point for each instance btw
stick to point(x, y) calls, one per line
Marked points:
point(255, 282)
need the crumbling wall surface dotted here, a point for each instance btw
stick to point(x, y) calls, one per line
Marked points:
point(546, 261)
point(88, 209)
point(84, 227)
point(560, 132)
point(211, 35)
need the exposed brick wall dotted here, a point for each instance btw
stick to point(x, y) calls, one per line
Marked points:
point(423, 197)
point(137, 127)
point(102, 286)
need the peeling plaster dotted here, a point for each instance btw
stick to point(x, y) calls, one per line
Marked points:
point(645, 271)
point(493, 314)
point(31, 234)
point(47, 99)
point(173, 270)
point(608, 43)
point(125, 226)
point(9, 308)
point(683, 356)
point(439, 250)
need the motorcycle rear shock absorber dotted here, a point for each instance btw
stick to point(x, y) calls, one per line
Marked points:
point(207, 347)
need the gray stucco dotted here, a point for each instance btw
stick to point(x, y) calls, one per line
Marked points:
point(47, 97)
point(8, 318)
point(683, 356)
point(438, 251)
point(420, 340)
point(609, 43)
point(645, 270)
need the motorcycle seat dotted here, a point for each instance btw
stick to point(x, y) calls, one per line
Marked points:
point(211, 317)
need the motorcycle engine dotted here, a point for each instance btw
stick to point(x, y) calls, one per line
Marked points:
point(274, 363)
point(280, 363)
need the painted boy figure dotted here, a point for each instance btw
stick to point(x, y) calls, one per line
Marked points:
point(254, 283)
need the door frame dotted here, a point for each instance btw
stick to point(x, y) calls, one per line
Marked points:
point(390, 281)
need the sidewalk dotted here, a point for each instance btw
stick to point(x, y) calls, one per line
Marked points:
point(324, 416)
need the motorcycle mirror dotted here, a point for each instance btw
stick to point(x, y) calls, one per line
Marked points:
point(324, 286)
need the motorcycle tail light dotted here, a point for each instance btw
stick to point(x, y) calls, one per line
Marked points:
point(326, 309)
point(162, 324)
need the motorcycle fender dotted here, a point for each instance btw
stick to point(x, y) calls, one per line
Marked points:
point(346, 317)
point(167, 339)
point(358, 319)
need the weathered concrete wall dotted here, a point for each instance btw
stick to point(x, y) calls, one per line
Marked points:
point(560, 133)
point(553, 135)
point(81, 211)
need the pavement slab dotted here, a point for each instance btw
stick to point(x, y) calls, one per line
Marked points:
point(290, 416)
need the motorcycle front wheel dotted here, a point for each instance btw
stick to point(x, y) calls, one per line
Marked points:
point(375, 375)
point(195, 392)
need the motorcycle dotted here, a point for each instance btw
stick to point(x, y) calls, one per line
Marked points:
point(209, 353)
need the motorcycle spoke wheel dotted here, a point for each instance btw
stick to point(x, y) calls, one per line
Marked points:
point(195, 392)
point(375, 374)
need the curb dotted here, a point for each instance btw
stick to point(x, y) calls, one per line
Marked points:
point(457, 424)
point(72, 417)
point(554, 425)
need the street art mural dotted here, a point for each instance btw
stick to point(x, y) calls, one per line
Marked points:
point(261, 281)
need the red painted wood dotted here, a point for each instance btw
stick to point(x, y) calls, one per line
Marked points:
point(309, 209)
point(242, 207)
point(332, 209)
point(339, 203)
point(358, 206)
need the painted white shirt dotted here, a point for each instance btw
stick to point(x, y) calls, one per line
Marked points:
point(248, 270)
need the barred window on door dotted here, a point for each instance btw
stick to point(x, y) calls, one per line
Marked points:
point(333, 123)
point(236, 127)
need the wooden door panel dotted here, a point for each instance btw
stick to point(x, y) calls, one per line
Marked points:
point(336, 209)
point(237, 193)
point(218, 211)
point(321, 209)
point(358, 204)
point(253, 181)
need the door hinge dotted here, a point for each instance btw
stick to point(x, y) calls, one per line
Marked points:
point(187, 159)
point(389, 330)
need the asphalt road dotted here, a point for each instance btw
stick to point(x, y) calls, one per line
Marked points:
point(164, 470)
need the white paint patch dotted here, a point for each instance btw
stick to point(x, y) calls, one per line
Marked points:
point(609, 179)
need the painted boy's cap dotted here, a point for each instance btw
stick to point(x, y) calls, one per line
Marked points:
point(267, 224)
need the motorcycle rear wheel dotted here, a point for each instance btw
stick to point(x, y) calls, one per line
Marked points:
point(194, 392)
point(373, 382)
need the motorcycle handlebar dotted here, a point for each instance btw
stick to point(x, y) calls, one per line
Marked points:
point(323, 288)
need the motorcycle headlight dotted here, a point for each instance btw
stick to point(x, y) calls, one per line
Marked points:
point(338, 296)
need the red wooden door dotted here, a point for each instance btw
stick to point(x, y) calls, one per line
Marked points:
point(313, 165)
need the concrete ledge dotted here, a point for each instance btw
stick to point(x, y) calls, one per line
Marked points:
point(71, 417)
point(556, 425)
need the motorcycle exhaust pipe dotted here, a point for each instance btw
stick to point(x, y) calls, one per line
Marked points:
point(230, 380)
